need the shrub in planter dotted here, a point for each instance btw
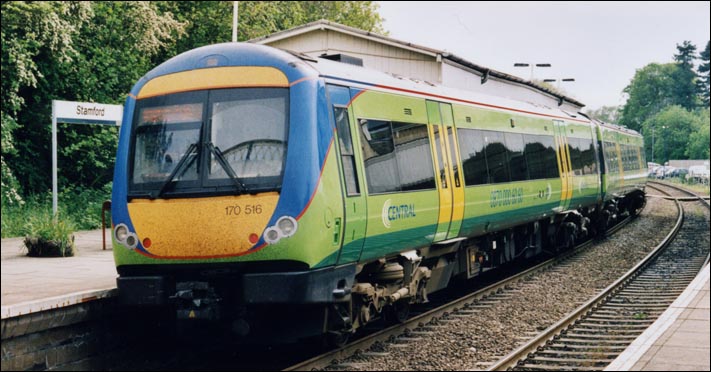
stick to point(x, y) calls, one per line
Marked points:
point(46, 238)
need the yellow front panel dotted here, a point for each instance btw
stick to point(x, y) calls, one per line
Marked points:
point(202, 227)
point(214, 78)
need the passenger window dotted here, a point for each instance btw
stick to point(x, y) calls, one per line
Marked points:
point(379, 156)
point(397, 156)
point(587, 155)
point(576, 160)
point(345, 143)
point(414, 157)
point(497, 158)
point(517, 160)
point(471, 145)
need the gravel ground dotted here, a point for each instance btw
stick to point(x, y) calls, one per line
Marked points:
point(477, 340)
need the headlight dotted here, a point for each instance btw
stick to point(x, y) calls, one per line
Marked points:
point(287, 226)
point(131, 241)
point(121, 232)
point(271, 235)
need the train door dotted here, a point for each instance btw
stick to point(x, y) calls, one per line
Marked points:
point(450, 183)
point(564, 165)
point(354, 203)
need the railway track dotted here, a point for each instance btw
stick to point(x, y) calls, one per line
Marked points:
point(598, 331)
point(427, 323)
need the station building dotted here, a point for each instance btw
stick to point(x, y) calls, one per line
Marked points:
point(334, 41)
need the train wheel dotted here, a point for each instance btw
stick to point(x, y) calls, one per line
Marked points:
point(398, 312)
point(335, 339)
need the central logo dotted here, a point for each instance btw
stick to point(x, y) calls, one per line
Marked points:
point(396, 212)
point(384, 215)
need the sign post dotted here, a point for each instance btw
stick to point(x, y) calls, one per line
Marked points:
point(78, 113)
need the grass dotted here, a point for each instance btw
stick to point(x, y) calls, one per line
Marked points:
point(699, 188)
point(79, 209)
point(46, 237)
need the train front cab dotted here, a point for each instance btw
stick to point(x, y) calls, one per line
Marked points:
point(226, 200)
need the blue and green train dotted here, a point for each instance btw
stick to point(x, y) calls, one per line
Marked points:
point(296, 196)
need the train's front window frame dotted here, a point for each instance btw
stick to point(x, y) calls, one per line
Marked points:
point(164, 163)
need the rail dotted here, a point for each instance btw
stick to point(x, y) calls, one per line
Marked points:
point(323, 360)
point(522, 353)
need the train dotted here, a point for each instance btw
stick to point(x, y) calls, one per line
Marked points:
point(289, 197)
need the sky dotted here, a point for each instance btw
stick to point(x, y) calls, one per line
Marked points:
point(599, 44)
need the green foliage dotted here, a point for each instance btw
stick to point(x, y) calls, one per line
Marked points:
point(649, 92)
point(79, 206)
point(698, 146)
point(703, 82)
point(46, 237)
point(672, 127)
point(664, 104)
point(101, 53)
point(31, 31)
point(608, 114)
point(95, 51)
point(210, 22)
point(684, 89)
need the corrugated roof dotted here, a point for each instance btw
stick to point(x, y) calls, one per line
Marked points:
point(325, 24)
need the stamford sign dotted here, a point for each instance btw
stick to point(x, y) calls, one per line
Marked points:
point(78, 113)
point(87, 113)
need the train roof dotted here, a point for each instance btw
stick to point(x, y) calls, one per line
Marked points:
point(617, 128)
point(375, 79)
point(299, 66)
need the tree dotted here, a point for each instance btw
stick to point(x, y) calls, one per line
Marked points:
point(95, 51)
point(671, 129)
point(649, 92)
point(210, 22)
point(30, 31)
point(684, 88)
point(703, 73)
point(84, 51)
point(608, 114)
point(698, 146)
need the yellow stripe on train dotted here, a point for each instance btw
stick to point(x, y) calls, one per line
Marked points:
point(214, 78)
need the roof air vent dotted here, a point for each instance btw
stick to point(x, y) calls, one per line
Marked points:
point(343, 58)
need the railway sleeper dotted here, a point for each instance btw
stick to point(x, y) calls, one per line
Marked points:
point(599, 336)
point(544, 367)
point(570, 361)
point(618, 327)
point(638, 293)
point(615, 316)
point(617, 321)
point(567, 347)
point(599, 342)
point(580, 354)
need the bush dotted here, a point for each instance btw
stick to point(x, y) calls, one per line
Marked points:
point(46, 238)
point(80, 206)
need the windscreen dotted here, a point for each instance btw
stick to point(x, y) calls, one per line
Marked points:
point(224, 141)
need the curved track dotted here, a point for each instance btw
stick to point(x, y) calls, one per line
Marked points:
point(598, 331)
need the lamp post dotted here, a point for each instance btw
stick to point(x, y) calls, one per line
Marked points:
point(652, 144)
point(558, 80)
point(518, 64)
point(664, 148)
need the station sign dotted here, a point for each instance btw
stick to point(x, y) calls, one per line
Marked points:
point(78, 113)
point(87, 113)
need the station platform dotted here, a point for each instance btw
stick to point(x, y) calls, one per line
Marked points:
point(34, 284)
point(679, 340)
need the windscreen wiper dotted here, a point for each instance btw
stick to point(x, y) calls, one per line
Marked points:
point(184, 163)
point(226, 166)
